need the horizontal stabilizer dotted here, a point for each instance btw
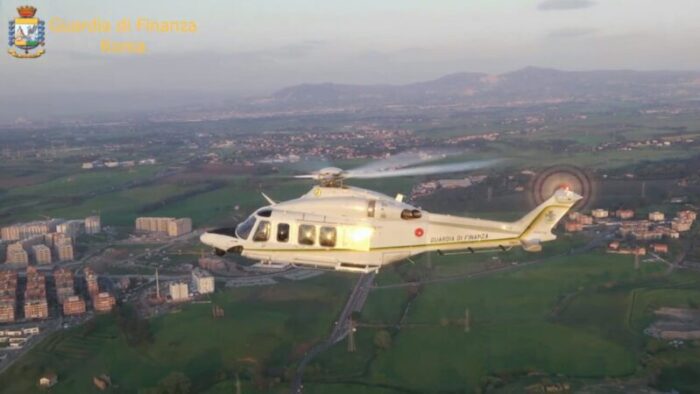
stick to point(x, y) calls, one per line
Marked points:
point(531, 246)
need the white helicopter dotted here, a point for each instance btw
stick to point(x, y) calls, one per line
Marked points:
point(335, 226)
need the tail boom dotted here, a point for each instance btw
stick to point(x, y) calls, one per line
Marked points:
point(453, 233)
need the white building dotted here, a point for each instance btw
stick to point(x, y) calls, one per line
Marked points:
point(656, 216)
point(22, 231)
point(71, 227)
point(16, 254)
point(30, 330)
point(599, 213)
point(178, 227)
point(64, 251)
point(42, 254)
point(93, 225)
point(202, 281)
point(179, 291)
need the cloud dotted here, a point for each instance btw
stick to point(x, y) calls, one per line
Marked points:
point(563, 5)
point(571, 32)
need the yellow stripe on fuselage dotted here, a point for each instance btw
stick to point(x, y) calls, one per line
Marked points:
point(418, 246)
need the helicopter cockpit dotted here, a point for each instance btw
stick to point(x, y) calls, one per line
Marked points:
point(243, 230)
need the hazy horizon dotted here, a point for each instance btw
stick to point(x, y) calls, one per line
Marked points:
point(251, 49)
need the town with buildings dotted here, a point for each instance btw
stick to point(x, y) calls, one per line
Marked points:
point(362, 142)
point(41, 280)
point(29, 299)
point(109, 163)
point(172, 227)
point(44, 242)
point(427, 188)
point(35, 246)
point(635, 235)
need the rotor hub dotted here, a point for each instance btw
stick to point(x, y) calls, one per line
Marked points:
point(331, 177)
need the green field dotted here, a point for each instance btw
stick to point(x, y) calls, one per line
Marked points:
point(265, 330)
point(577, 316)
point(119, 202)
point(120, 196)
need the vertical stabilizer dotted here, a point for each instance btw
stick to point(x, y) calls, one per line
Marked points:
point(537, 225)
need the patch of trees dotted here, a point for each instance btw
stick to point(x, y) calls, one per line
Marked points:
point(135, 329)
point(382, 340)
point(664, 169)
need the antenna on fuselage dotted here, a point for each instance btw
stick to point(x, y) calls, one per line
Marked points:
point(271, 201)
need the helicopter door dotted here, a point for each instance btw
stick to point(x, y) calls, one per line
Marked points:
point(356, 237)
point(262, 233)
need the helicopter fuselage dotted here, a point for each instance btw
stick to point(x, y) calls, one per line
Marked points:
point(358, 230)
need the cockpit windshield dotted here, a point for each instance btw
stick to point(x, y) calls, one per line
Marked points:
point(243, 229)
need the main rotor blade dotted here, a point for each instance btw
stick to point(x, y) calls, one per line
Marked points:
point(309, 165)
point(422, 170)
point(403, 159)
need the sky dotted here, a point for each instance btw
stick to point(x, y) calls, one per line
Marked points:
point(253, 47)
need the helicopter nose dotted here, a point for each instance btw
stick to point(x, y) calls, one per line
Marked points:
point(219, 241)
point(208, 239)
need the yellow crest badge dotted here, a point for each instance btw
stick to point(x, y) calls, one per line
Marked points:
point(27, 34)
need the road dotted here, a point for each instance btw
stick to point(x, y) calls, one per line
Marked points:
point(46, 328)
point(355, 302)
point(680, 261)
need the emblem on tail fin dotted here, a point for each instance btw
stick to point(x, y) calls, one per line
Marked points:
point(538, 224)
point(551, 216)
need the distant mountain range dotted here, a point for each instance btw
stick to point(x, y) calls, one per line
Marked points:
point(529, 85)
point(462, 91)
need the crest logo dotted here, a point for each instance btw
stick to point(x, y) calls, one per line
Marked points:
point(550, 216)
point(26, 34)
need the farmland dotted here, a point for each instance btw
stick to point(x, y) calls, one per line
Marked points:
point(264, 329)
point(576, 316)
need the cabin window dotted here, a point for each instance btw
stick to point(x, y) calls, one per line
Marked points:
point(326, 236)
point(262, 234)
point(307, 234)
point(282, 232)
point(266, 213)
point(243, 229)
point(371, 207)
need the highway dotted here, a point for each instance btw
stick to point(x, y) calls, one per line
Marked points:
point(355, 302)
